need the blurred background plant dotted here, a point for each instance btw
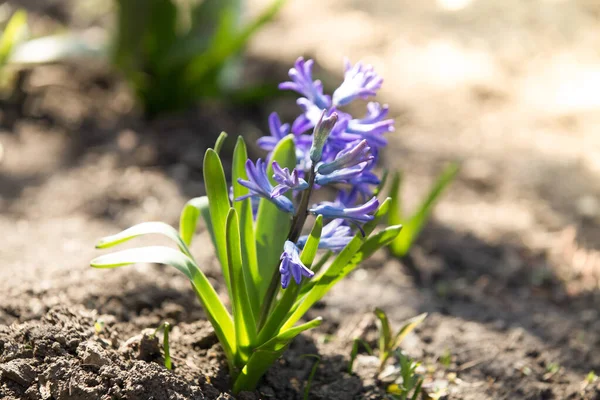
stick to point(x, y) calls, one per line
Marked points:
point(172, 53)
point(15, 31)
point(413, 225)
point(176, 52)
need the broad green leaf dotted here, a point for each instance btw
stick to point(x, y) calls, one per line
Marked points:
point(13, 33)
point(348, 259)
point(217, 313)
point(385, 335)
point(252, 275)
point(189, 219)
point(283, 306)
point(218, 204)
point(272, 224)
point(144, 228)
point(244, 323)
point(265, 355)
point(414, 226)
point(219, 143)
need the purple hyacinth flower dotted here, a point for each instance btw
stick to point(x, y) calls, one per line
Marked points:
point(292, 266)
point(287, 181)
point(334, 236)
point(259, 185)
point(372, 126)
point(356, 153)
point(278, 132)
point(303, 83)
point(341, 175)
point(356, 215)
point(360, 81)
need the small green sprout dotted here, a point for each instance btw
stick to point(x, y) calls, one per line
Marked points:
point(446, 358)
point(389, 342)
point(413, 225)
point(591, 377)
point(357, 342)
point(99, 326)
point(409, 381)
point(311, 376)
point(166, 327)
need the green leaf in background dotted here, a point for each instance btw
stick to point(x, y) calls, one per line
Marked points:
point(144, 228)
point(252, 275)
point(244, 323)
point(387, 343)
point(272, 224)
point(226, 45)
point(189, 219)
point(414, 225)
point(264, 356)
point(13, 34)
point(217, 313)
point(218, 204)
point(385, 334)
point(283, 306)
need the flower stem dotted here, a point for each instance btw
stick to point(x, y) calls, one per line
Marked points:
point(293, 236)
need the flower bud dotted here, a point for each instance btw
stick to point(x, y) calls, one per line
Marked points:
point(320, 135)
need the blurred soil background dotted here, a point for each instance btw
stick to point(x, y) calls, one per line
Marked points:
point(509, 268)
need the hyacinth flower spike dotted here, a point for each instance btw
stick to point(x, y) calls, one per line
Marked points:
point(356, 215)
point(292, 266)
point(259, 185)
point(286, 180)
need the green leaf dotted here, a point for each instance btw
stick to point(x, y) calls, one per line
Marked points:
point(13, 33)
point(272, 224)
point(309, 252)
point(395, 214)
point(265, 355)
point(189, 219)
point(283, 306)
point(245, 325)
point(220, 141)
point(144, 228)
point(252, 275)
point(218, 204)
point(408, 327)
point(385, 336)
point(217, 313)
point(414, 226)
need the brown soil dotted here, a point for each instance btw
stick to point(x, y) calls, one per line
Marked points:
point(508, 269)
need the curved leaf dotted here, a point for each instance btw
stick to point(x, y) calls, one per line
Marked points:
point(144, 228)
point(218, 204)
point(189, 219)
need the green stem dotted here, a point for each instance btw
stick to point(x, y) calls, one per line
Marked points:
point(295, 231)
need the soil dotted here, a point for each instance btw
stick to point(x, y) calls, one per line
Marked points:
point(508, 269)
